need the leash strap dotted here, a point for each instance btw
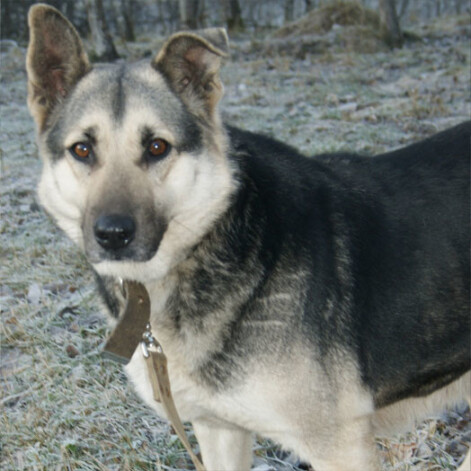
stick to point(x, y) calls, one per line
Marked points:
point(124, 340)
point(156, 362)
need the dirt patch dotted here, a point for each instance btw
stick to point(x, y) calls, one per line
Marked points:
point(323, 19)
point(342, 26)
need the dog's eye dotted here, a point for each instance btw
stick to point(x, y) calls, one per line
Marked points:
point(158, 148)
point(81, 151)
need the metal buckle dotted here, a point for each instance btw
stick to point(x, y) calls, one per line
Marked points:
point(148, 341)
point(122, 287)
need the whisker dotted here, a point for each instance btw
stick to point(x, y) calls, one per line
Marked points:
point(191, 231)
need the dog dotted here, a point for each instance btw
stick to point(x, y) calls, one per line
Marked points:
point(318, 301)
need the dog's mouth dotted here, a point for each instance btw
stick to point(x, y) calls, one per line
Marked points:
point(120, 237)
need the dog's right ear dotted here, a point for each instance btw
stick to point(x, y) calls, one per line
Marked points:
point(55, 60)
point(190, 62)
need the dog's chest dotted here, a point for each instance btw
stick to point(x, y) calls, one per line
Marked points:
point(217, 363)
point(248, 404)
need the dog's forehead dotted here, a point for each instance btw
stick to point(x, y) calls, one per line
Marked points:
point(116, 87)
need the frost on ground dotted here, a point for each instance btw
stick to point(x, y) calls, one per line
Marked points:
point(63, 407)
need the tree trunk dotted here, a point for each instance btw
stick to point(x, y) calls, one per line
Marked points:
point(404, 6)
point(289, 11)
point(6, 21)
point(70, 10)
point(188, 14)
point(101, 38)
point(128, 7)
point(390, 23)
point(233, 15)
point(458, 5)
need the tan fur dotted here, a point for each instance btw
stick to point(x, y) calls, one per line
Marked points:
point(466, 465)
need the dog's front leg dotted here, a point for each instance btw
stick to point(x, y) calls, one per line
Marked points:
point(466, 464)
point(224, 448)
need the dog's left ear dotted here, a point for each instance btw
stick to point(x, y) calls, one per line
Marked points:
point(190, 62)
point(55, 62)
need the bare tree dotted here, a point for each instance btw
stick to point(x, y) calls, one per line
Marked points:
point(309, 5)
point(233, 15)
point(188, 14)
point(13, 19)
point(390, 23)
point(101, 38)
point(70, 10)
point(128, 7)
point(458, 6)
point(403, 9)
point(289, 10)
point(6, 25)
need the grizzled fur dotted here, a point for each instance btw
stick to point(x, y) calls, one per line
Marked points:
point(317, 301)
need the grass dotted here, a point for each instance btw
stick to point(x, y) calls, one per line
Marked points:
point(63, 407)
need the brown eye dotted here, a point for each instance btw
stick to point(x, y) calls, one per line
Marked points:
point(158, 148)
point(81, 150)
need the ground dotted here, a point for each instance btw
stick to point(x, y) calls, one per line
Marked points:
point(64, 407)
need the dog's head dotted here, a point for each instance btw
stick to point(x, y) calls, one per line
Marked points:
point(135, 168)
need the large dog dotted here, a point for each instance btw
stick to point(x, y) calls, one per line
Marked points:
point(316, 301)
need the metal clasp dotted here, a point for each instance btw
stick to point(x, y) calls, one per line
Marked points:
point(122, 287)
point(148, 340)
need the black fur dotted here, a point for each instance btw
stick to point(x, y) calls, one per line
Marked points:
point(107, 290)
point(386, 240)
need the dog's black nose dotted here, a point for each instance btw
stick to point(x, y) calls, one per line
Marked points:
point(114, 231)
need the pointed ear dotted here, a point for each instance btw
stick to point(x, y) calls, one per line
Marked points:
point(55, 60)
point(190, 62)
